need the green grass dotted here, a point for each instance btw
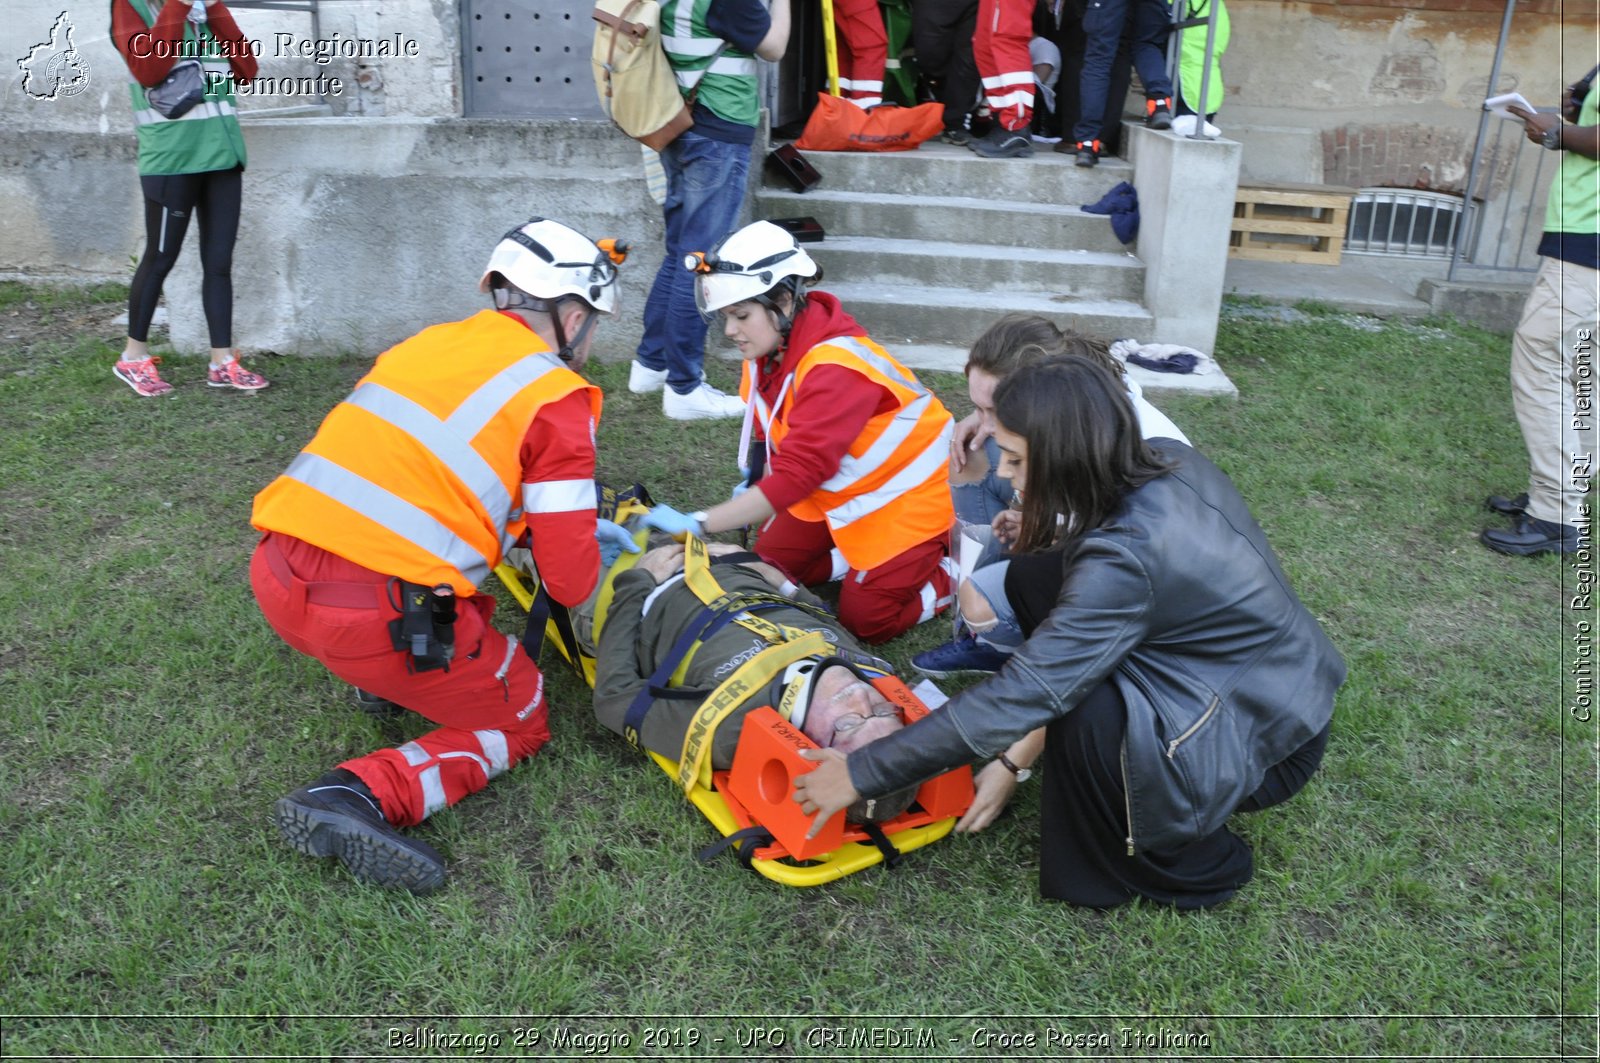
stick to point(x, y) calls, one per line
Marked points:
point(1417, 899)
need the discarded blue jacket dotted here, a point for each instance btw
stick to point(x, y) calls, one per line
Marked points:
point(1172, 363)
point(1122, 203)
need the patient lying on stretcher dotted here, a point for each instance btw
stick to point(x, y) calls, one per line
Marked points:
point(827, 693)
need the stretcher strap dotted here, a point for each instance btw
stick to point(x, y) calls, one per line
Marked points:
point(744, 843)
point(669, 673)
point(891, 855)
point(694, 766)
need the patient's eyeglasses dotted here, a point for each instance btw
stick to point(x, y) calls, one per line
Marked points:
point(851, 721)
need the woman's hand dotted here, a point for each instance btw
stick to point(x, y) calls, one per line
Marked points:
point(995, 785)
point(825, 789)
point(1007, 526)
point(969, 435)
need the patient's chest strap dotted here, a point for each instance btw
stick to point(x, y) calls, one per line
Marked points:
point(694, 766)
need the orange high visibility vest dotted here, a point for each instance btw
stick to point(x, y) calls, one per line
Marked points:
point(891, 491)
point(418, 472)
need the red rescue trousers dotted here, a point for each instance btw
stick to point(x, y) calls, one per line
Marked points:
point(490, 705)
point(1000, 48)
point(863, 50)
point(875, 605)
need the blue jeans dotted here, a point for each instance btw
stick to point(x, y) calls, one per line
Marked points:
point(1103, 23)
point(705, 188)
point(979, 503)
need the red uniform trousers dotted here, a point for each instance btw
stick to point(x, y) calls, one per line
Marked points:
point(875, 605)
point(490, 703)
point(1000, 48)
point(863, 50)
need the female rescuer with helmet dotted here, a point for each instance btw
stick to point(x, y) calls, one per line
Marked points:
point(379, 535)
point(848, 467)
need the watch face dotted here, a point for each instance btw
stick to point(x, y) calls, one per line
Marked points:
point(1025, 774)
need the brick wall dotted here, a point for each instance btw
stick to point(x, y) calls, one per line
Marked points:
point(1407, 155)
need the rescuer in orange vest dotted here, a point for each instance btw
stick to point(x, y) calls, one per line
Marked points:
point(461, 442)
point(850, 481)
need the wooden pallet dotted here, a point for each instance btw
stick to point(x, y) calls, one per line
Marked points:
point(1290, 223)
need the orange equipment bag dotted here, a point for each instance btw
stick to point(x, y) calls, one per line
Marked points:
point(839, 125)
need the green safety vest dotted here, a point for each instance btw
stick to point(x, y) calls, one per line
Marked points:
point(208, 136)
point(725, 83)
point(1192, 58)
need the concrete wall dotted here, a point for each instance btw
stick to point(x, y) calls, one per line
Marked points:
point(1389, 95)
point(1186, 194)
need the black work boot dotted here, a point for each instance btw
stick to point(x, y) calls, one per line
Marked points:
point(377, 705)
point(338, 816)
point(1531, 536)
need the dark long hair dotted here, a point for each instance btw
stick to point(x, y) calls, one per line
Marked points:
point(1084, 449)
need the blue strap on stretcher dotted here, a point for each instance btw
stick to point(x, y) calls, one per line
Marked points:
point(713, 619)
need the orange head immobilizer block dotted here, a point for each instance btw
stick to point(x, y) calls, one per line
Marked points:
point(768, 760)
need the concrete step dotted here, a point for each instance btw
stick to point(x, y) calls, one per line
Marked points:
point(981, 267)
point(897, 315)
point(909, 217)
point(924, 357)
point(939, 169)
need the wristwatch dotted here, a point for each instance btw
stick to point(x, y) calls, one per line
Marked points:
point(1552, 137)
point(700, 517)
point(1022, 774)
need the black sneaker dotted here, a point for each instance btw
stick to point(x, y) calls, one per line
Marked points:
point(1088, 152)
point(1531, 536)
point(1003, 143)
point(338, 816)
point(957, 136)
point(1158, 113)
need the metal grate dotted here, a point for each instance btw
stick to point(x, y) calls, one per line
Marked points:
point(1398, 221)
point(527, 57)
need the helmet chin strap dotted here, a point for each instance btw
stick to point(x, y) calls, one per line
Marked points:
point(797, 301)
point(510, 298)
point(566, 350)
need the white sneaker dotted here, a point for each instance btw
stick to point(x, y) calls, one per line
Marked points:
point(642, 380)
point(703, 402)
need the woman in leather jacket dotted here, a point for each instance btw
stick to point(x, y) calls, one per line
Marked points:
point(1174, 675)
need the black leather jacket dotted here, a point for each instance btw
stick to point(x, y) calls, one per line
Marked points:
point(1180, 602)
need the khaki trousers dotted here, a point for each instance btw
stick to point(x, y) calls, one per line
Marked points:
point(1552, 387)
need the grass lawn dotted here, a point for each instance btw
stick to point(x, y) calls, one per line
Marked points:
point(1431, 893)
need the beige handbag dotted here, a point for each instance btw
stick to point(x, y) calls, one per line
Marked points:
point(638, 90)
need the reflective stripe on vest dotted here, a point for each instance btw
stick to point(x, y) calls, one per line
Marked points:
point(418, 473)
point(907, 448)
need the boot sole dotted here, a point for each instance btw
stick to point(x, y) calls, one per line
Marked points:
point(1526, 550)
point(369, 855)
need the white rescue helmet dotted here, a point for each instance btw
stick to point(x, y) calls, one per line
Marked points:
point(548, 260)
point(748, 264)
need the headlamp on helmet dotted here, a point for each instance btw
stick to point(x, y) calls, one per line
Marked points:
point(750, 264)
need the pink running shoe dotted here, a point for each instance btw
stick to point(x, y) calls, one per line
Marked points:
point(142, 377)
point(231, 374)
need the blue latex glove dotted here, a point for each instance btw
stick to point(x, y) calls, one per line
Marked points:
point(678, 525)
point(612, 538)
point(743, 485)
